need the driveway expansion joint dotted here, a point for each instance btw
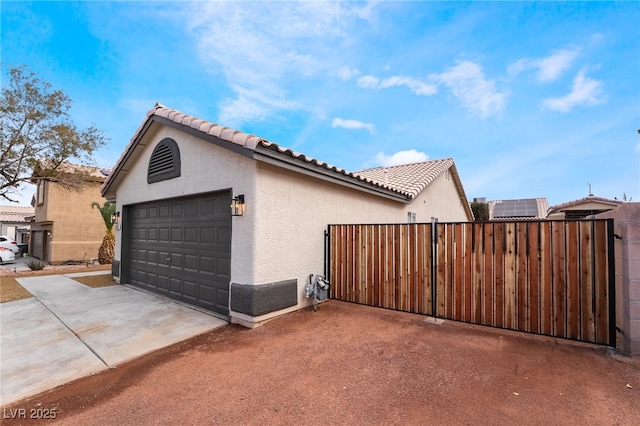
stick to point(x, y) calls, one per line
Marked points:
point(72, 331)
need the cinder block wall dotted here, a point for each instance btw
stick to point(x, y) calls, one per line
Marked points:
point(627, 264)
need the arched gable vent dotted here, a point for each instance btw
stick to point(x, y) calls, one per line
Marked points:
point(165, 161)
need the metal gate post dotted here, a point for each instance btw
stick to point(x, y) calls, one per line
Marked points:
point(327, 256)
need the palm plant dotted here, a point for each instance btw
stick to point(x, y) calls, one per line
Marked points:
point(107, 248)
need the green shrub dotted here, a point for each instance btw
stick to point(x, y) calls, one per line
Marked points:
point(36, 265)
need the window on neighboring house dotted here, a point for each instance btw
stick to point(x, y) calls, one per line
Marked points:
point(165, 161)
point(40, 192)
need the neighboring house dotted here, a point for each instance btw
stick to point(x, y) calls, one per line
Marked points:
point(14, 222)
point(178, 178)
point(65, 228)
point(580, 209)
point(518, 209)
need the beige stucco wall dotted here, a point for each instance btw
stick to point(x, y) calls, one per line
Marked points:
point(291, 212)
point(77, 229)
point(204, 168)
point(440, 200)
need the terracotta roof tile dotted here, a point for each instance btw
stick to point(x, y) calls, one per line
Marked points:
point(15, 214)
point(408, 178)
point(591, 198)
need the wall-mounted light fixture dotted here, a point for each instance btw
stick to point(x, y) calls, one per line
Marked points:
point(115, 218)
point(237, 205)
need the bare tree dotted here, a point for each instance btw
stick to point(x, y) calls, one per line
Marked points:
point(37, 135)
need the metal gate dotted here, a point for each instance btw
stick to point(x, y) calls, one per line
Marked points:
point(554, 278)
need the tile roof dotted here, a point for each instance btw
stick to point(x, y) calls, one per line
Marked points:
point(409, 178)
point(542, 207)
point(66, 167)
point(15, 214)
point(589, 199)
point(406, 183)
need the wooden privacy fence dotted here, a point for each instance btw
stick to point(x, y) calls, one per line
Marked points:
point(554, 278)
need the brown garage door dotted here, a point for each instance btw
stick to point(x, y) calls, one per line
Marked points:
point(181, 248)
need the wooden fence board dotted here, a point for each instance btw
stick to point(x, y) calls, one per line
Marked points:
point(468, 272)
point(601, 260)
point(573, 285)
point(477, 274)
point(588, 328)
point(499, 247)
point(458, 271)
point(510, 276)
point(558, 271)
point(488, 285)
point(522, 275)
point(544, 277)
point(533, 295)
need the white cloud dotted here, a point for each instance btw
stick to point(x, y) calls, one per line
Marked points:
point(550, 68)
point(353, 124)
point(585, 92)
point(477, 94)
point(416, 86)
point(400, 157)
point(347, 73)
point(260, 47)
point(240, 109)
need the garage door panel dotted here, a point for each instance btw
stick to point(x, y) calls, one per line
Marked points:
point(175, 286)
point(224, 235)
point(190, 289)
point(164, 210)
point(176, 235)
point(224, 267)
point(221, 294)
point(191, 235)
point(191, 262)
point(177, 260)
point(195, 233)
point(163, 235)
point(177, 210)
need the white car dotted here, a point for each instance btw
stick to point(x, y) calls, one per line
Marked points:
point(9, 243)
point(6, 255)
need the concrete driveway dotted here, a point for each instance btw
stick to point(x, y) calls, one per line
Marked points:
point(68, 331)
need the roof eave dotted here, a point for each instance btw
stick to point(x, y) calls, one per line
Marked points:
point(279, 159)
point(463, 196)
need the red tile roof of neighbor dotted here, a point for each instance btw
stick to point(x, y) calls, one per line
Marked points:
point(589, 199)
point(406, 180)
point(94, 173)
point(15, 214)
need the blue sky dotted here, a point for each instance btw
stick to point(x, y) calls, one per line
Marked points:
point(531, 99)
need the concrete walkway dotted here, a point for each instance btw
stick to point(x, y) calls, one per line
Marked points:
point(69, 330)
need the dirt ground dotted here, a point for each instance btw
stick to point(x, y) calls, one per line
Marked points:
point(351, 364)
